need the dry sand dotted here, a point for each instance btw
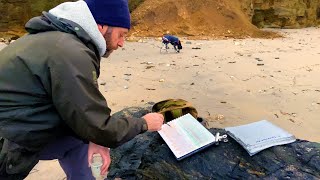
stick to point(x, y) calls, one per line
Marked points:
point(224, 78)
point(223, 81)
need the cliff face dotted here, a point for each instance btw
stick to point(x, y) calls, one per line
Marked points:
point(283, 13)
point(15, 13)
point(262, 13)
point(197, 18)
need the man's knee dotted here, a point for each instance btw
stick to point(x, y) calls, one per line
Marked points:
point(15, 161)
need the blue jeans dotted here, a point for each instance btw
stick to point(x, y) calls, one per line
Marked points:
point(72, 154)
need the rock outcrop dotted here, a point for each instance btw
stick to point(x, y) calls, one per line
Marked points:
point(283, 13)
point(15, 13)
point(197, 18)
point(148, 157)
point(221, 18)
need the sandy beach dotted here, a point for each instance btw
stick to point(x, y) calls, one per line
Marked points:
point(230, 82)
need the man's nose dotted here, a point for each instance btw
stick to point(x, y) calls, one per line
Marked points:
point(121, 43)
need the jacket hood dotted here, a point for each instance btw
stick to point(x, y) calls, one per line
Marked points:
point(70, 17)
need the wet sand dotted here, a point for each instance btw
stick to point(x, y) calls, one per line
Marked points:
point(230, 82)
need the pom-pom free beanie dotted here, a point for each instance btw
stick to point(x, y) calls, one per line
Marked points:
point(110, 12)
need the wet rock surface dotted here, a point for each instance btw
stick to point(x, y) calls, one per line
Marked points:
point(148, 157)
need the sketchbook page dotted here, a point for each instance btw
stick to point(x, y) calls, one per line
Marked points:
point(185, 135)
point(256, 133)
point(255, 150)
point(260, 135)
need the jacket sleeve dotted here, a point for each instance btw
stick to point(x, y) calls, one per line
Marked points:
point(79, 102)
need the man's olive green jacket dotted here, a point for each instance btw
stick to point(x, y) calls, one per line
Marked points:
point(49, 89)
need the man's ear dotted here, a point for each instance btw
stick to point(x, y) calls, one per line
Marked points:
point(102, 28)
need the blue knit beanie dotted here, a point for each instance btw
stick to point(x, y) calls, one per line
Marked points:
point(110, 12)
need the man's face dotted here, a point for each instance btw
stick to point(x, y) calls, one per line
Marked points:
point(114, 37)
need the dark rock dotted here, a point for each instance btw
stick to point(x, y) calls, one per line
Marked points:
point(258, 59)
point(148, 157)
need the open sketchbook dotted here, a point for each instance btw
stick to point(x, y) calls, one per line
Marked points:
point(185, 136)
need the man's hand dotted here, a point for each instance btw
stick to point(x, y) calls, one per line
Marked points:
point(154, 121)
point(105, 154)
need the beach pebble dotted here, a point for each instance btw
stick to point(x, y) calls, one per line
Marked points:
point(262, 91)
point(149, 67)
point(219, 117)
point(291, 120)
point(161, 80)
point(127, 79)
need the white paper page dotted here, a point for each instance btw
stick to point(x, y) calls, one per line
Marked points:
point(258, 133)
point(185, 134)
